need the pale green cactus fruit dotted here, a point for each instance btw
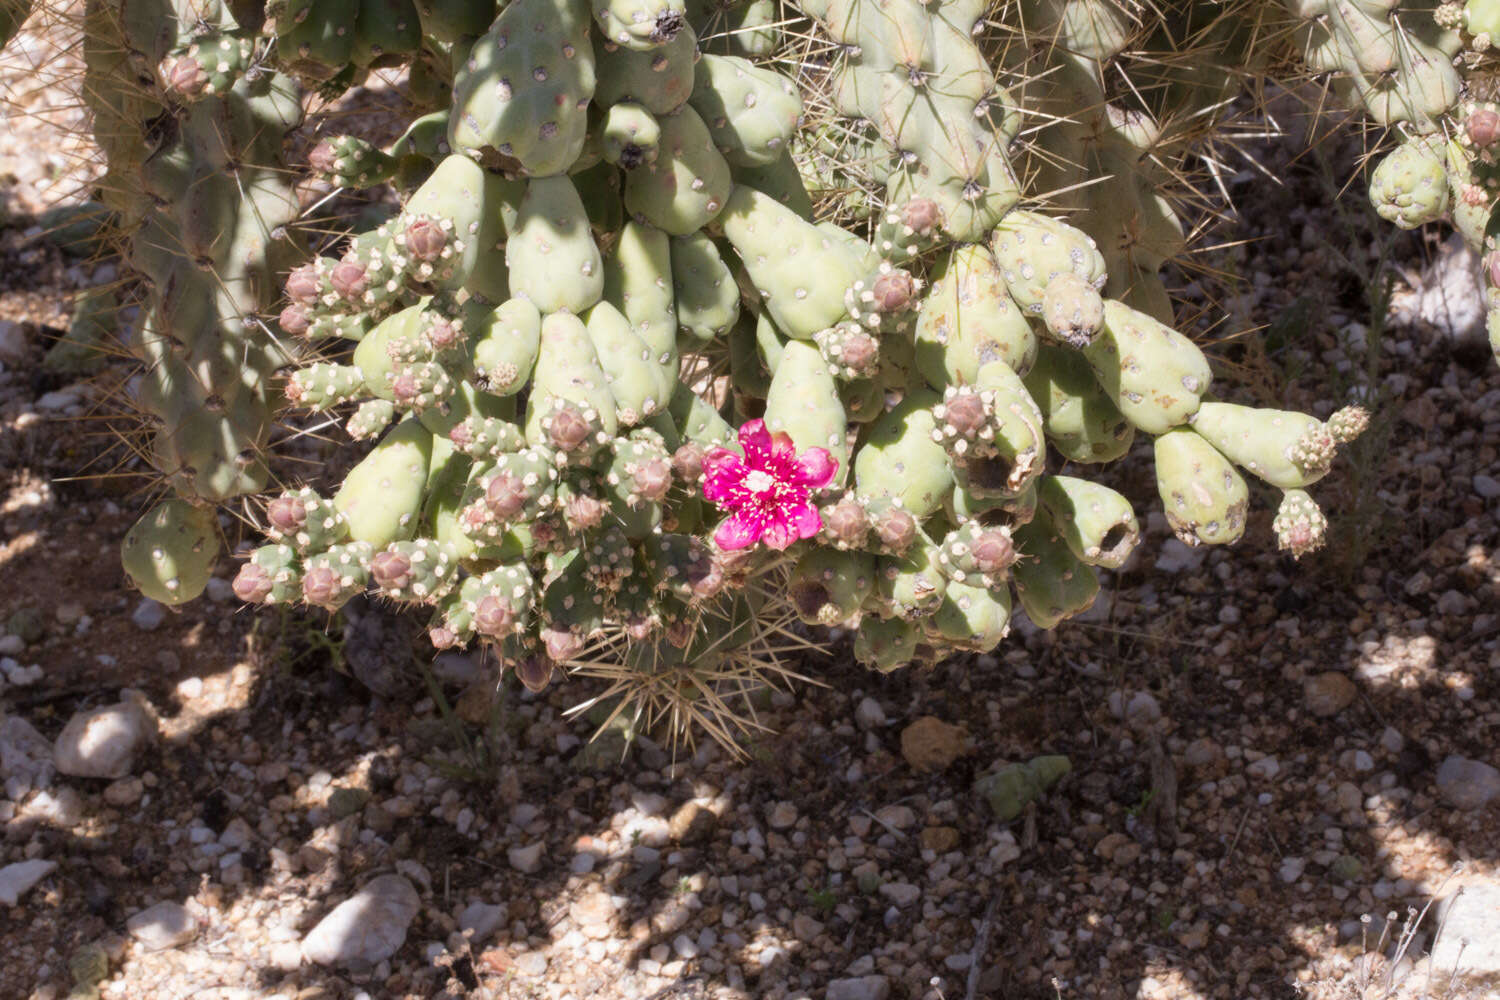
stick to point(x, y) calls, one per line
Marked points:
point(1155, 375)
point(910, 586)
point(570, 408)
point(968, 320)
point(170, 552)
point(705, 295)
point(1285, 448)
point(638, 384)
point(520, 99)
point(685, 187)
point(1052, 583)
point(751, 112)
point(1409, 187)
point(830, 586)
point(1205, 498)
point(804, 402)
point(1081, 421)
point(504, 347)
point(659, 79)
point(971, 618)
point(899, 460)
point(801, 273)
point(1097, 523)
point(381, 498)
point(553, 260)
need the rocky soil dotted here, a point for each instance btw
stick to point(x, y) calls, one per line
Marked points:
point(1282, 775)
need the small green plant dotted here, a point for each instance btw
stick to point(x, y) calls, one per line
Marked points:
point(823, 900)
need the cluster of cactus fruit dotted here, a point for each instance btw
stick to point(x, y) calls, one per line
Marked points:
point(627, 396)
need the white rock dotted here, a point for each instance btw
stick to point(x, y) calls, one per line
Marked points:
point(869, 714)
point(481, 918)
point(366, 928)
point(62, 807)
point(1448, 294)
point(124, 792)
point(1265, 767)
point(1487, 486)
point(16, 879)
point(12, 645)
point(25, 754)
point(165, 925)
point(901, 893)
point(1469, 937)
point(148, 615)
point(103, 743)
point(1467, 784)
point(862, 988)
point(1175, 557)
point(528, 859)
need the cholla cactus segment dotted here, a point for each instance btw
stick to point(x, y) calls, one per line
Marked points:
point(305, 520)
point(1396, 74)
point(349, 161)
point(978, 555)
point(1300, 525)
point(370, 418)
point(333, 578)
point(271, 575)
point(420, 571)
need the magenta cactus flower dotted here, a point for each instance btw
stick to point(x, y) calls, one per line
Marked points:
point(767, 492)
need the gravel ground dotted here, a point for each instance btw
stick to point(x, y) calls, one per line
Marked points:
point(1262, 752)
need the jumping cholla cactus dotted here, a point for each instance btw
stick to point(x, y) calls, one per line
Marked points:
point(633, 408)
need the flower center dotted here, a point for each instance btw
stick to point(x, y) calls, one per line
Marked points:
point(759, 481)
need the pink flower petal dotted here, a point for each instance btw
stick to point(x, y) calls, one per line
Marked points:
point(783, 448)
point(739, 531)
point(815, 468)
point(779, 532)
point(804, 519)
point(723, 472)
point(756, 442)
